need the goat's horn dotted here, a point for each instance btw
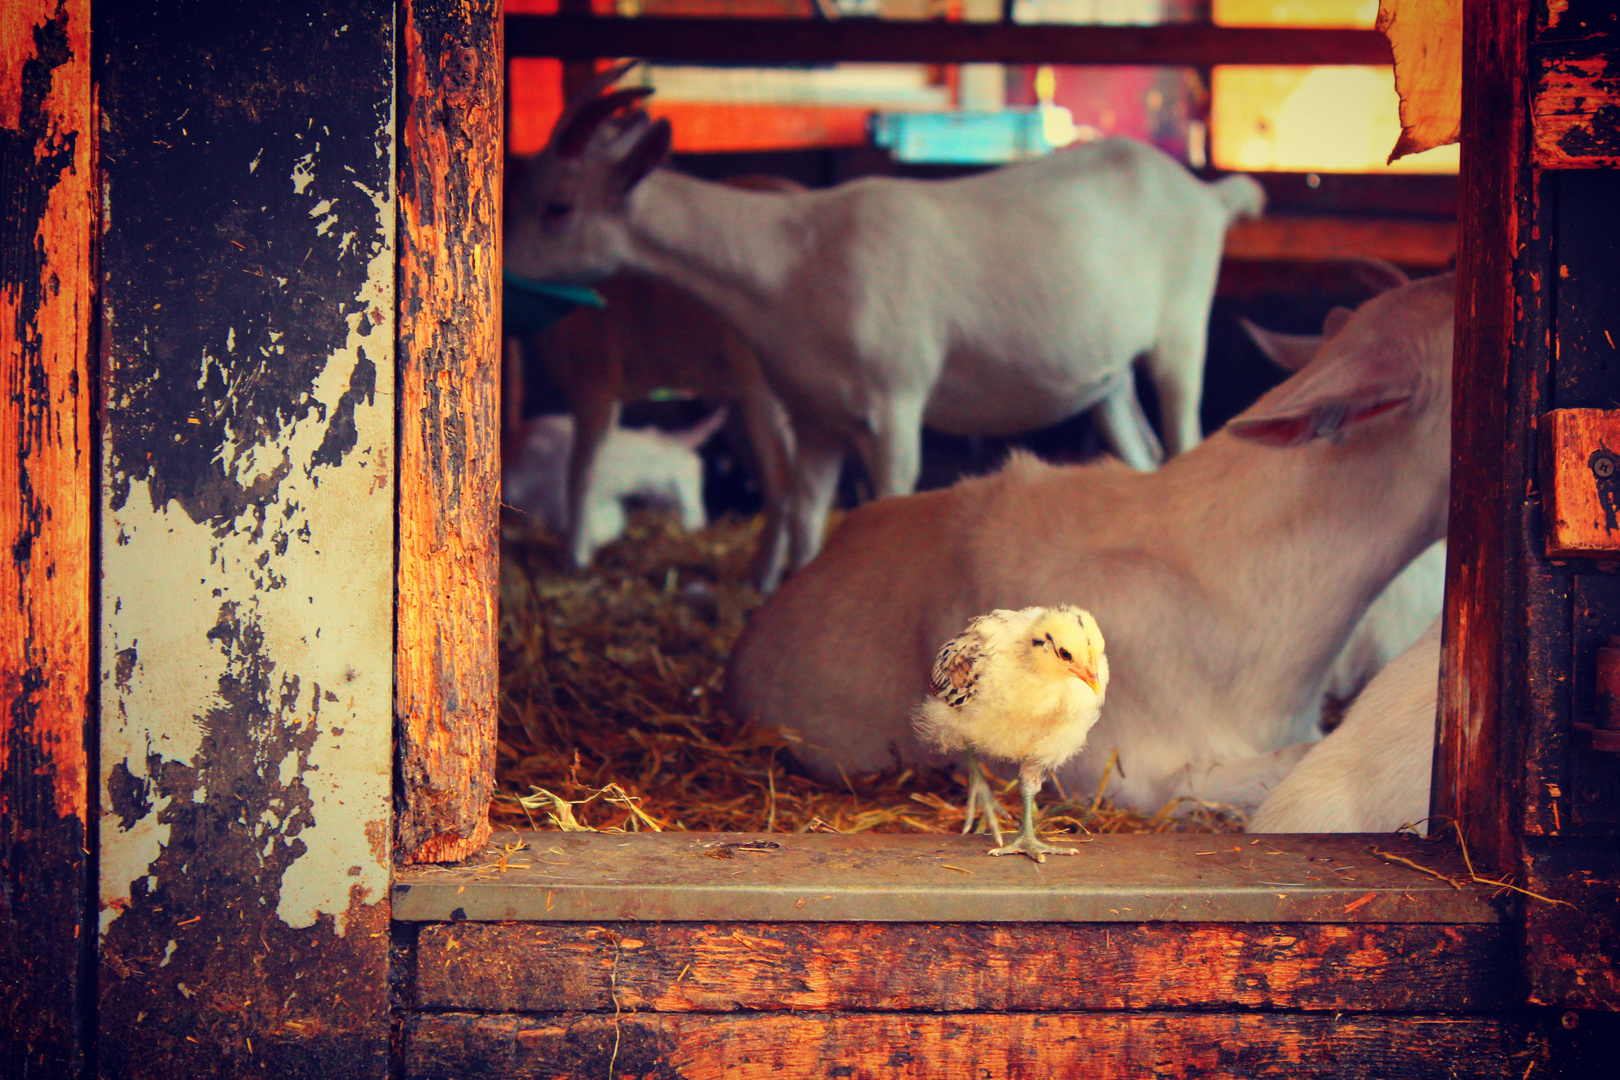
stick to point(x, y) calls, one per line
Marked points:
point(588, 93)
point(572, 139)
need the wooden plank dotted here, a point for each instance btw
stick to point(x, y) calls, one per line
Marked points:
point(959, 967)
point(573, 877)
point(583, 37)
point(246, 538)
point(1473, 783)
point(1575, 112)
point(1591, 23)
point(47, 221)
point(449, 460)
point(1572, 949)
point(1589, 777)
point(1417, 244)
point(1097, 1046)
point(1580, 482)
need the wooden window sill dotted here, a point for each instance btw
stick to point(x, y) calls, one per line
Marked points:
point(594, 877)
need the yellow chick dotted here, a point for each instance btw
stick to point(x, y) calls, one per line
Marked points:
point(1026, 686)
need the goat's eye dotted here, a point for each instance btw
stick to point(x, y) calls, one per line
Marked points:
point(1065, 655)
point(558, 209)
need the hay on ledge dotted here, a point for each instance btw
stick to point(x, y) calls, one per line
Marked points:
point(610, 716)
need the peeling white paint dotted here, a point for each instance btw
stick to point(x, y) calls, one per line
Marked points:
point(315, 576)
point(303, 173)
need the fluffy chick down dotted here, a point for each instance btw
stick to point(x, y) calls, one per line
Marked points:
point(1024, 686)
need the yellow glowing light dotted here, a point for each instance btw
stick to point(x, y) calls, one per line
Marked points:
point(1361, 13)
point(1312, 119)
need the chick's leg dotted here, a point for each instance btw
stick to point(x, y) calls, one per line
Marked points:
point(1030, 778)
point(979, 799)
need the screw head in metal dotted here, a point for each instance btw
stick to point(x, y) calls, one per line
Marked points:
point(1571, 1020)
point(1603, 467)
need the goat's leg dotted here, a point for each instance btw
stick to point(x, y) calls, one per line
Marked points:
point(817, 457)
point(1124, 426)
point(771, 438)
point(594, 417)
point(1176, 366)
point(892, 451)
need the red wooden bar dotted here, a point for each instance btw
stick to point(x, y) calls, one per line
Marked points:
point(784, 41)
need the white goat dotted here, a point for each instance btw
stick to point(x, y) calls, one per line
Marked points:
point(1372, 773)
point(659, 467)
point(988, 305)
point(1396, 619)
point(1226, 583)
point(654, 335)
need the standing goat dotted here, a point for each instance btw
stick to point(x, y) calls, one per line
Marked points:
point(654, 335)
point(1226, 583)
point(987, 305)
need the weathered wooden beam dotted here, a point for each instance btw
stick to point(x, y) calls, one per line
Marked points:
point(246, 538)
point(1098, 1046)
point(789, 41)
point(1475, 769)
point(1575, 111)
point(47, 229)
point(959, 967)
point(1417, 244)
point(449, 430)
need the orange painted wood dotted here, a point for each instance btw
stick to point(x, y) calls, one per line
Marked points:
point(1005, 1046)
point(714, 127)
point(1472, 782)
point(1575, 113)
point(47, 234)
point(449, 393)
point(1580, 482)
point(959, 967)
point(1407, 243)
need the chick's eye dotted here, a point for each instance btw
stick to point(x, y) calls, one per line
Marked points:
point(1064, 654)
point(558, 209)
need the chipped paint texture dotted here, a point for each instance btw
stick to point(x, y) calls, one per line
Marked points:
point(1575, 113)
point(247, 530)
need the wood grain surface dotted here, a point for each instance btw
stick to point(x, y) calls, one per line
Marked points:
point(449, 432)
point(958, 967)
point(1096, 1046)
point(47, 217)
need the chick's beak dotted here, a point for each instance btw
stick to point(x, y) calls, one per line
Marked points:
point(1086, 675)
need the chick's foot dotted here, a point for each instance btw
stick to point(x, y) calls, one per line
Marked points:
point(1027, 844)
point(980, 800)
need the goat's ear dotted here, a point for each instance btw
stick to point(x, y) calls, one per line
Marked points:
point(1326, 419)
point(1379, 275)
point(1328, 402)
point(1335, 321)
point(646, 155)
point(1288, 351)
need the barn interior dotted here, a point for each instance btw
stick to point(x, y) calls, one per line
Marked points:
point(611, 677)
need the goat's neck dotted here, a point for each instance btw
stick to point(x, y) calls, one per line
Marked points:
point(733, 248)
point(1306, 545)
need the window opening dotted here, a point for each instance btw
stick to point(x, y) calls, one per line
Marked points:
point(610, 705)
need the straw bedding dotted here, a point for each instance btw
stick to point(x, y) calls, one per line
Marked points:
point(611, 716)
